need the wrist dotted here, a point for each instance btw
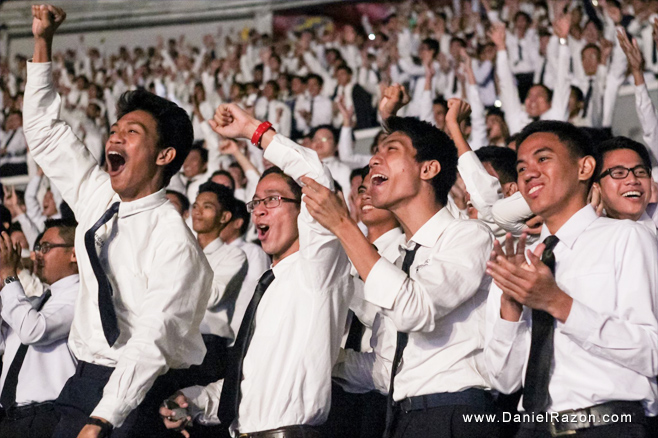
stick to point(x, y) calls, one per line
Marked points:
point(250, 128)
point(560, 306)
point(8, 272)
point(104, 425)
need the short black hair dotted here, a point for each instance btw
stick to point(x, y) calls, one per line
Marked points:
point(274, 84)
point(203, 152)
point(224, 194)
point(619, 143)
point(239, 211)
point(65, 227)
point(575, 139)
point(294, 187)
point(185, 203)
point(334, 132)
point(174, 125)
point(14, 227)
point(432, 44)
point(430, 144)
point(345, 67)
point(358, 172)
point(439, 100)
point(227, 174)
point(316, 77)
point(502, 159)
point(548, 91)
point(578, 93)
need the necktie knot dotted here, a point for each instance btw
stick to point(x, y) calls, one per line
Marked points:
point(409, 256)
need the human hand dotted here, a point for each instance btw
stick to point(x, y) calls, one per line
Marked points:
point(10, 256)
point(231, 121)
point(393, 99)
point(11, 201)
point(45, 20)
point(498, 34)
point(458, 111)
point(169, 415)
point(631, 50)
point(229, 146)
point(325, 206)
point(533, 225)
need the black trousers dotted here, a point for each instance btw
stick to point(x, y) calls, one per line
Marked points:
point(619, 430)
point(445, 422)
point(39, 425)
point(84, 390)
point(211, 369)
point(355, 415)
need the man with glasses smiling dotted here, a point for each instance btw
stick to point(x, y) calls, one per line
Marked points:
point(278, 381)
point(34, 332)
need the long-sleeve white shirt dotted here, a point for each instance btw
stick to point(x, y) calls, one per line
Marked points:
point(48, 362)
point(515, 114)
point(229, 266)
point(160, 279)
point(608, 347)
point(360, 372)
point(440, 304)
point(299, 322)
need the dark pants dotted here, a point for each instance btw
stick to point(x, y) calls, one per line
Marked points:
point(38, 424)
point(355, 415)
point(211, 369)
point(619, 430)
point(84, 390)
point(445, 422)
point(524, 82)
point(12, 169)
point(652, 427)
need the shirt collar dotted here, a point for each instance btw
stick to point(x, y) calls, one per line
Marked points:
point(64, 283)
point(383, 241)
point(574, 227)
point(213, 246)
point(284, 264)
point(149, 202)
point(431, 230)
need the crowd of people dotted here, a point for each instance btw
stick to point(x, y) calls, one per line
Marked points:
point(202, 251)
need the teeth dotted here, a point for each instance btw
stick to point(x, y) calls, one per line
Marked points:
point(379, 175)
point(534, 189)
point(367, 208)
point(633, 194)
point(113, 153)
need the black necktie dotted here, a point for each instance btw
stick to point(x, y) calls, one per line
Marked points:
point(11, 137)
point(402, 339)
point(537, 376)
point(8, 396)
point(105, 305)
point(520, 51)
point(588, 96)
point(310, 122)
point(654, 53)
point(229, 401)
point(543, 72)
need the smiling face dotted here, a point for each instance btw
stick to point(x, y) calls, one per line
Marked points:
point(394, 172)
point(624, 198)
point(276, 227)
point(537, 103)
point(370, 215)
point(134, 160)
point(323, 143)
point(193, 164)
point(49, 204)
point(550, 178)
point(208, 215)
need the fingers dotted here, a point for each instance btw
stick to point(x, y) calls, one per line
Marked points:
point(497, 251)
point(520, 246)
point(538, 251)
point(312, 184)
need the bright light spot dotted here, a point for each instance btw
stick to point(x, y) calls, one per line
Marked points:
point(498, 103)
point(371, 37)
point(595, 3)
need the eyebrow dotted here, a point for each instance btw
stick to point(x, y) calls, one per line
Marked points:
point(362, 187)
point(540, 150)
point(130, 123)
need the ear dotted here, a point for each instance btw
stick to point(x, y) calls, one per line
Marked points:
point(165, 156)
point(74, 259)
point(429, 169)
point(586, 166)
point(225, 218)
point(510, 188)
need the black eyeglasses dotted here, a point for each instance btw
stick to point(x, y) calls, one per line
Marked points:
point(44, 247)
point(269, 202)
point(621, 172)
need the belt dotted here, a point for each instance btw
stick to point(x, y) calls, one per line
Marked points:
point(474, 397)
point(565, 423)
point(93, 371)
point(19, 412)
point(299, 431)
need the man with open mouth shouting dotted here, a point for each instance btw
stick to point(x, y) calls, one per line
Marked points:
point(144, 282)
point(278, 382)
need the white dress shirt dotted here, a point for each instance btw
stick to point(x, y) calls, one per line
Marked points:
point(608, 347)
point(646, 112)
point(229, 266)
point(523, 52)
point(515, 114)
point(48, 362)
point(15, 146)
point(160, 278)
point(346, 152)
point(321, 109)
point(276, 112)
point(299, 322)
point(259, 262)
point(339, 171)
point(440, 304)
point(359, 372)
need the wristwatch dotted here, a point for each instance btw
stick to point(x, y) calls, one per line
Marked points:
point(9, 279)
point(105, 426)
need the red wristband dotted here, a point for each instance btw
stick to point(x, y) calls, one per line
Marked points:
point(258, 133)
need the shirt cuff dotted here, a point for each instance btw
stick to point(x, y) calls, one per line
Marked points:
point(383, 284)
point(507, 331)
point(39, 73)
point(11, 295)
point(113, 410)
point(578, 325)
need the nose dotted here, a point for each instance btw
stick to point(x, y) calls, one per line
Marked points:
point(376, 160)
point(259, 210)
